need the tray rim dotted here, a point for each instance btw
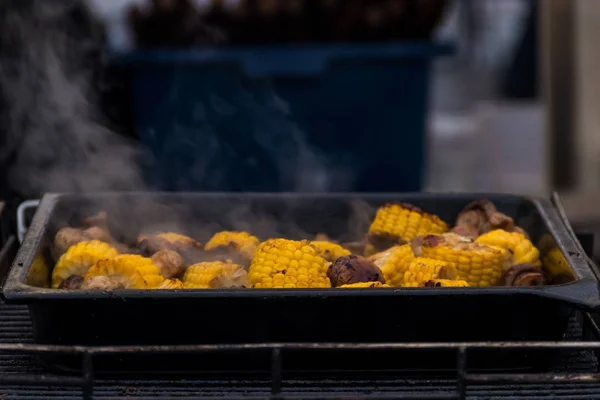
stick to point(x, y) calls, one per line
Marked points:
point(583, 292)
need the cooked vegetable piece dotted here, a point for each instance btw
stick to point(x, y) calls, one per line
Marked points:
point(477, 263)
point(521, 249)
point(243, 242)
point(330, 251)
point(71, 283)
point(364, 285)
point(420, 270)
point(353, 269)
point(171, 284)
point(132, 271)
point(394, 262)
point(79, 258)
point(215, 275)
point(446, 283)
point(169, 262)
point(400, 223)
point(101, 283)
point(282, 263)
point(523, 275)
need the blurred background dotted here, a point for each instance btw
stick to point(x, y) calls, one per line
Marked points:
point(325, 95)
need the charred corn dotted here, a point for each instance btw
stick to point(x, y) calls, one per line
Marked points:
point(446, 283)
point(364, 285)
point(477, 263)
point(420, 270)
point(394, 262)
point(400, 223)
point(521, 249)
point(78, 259)
point(132, 271)
point(330, 251)
point(243, 242)
point(214, 275)
point(282, 263)
point(171, 284)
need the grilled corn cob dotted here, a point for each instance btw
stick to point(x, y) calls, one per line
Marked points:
point(477, 263)
point(213, 275)
point(243, 242)
point(421, 270)
point(521, 249)
point(39, 273)
point(171, 284)
point(363, 285)
point(78, 259)
point(330, 251)
point(282, 263)
point(394, 262)
point(132, 271)
point(446, 283)
point(400, 223)
point(557, 267)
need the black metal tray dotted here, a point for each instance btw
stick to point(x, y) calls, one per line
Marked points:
point(307, 315)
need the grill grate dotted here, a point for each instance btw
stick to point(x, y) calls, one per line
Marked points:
point(22, 377)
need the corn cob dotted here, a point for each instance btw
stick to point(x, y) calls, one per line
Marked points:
point(330, 251)
point(171, 284)
point(557, 267)
point(214, 275)
point(446, 283)
point(78, 259)
point(394, 262)
point(478, 264)
point(132, 271)
point(363, 285)
point(421, 270)
point(282, 263)
point(400, 223)
point(521, 248)
point(39, 273)
point(242, 242)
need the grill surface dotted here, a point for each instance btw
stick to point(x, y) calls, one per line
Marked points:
point(15, 327)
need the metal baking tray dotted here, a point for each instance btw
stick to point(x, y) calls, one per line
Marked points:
point(296, 315)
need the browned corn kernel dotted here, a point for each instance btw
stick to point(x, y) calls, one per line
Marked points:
point(330, 251)
point(521, 249)
point(170, 284)
point(282, 263)
point(394, 262)
point(421, 270)
point(243, 242)
point(400, 223)
point(477, 263)
point(215, 275)
point(446, 283)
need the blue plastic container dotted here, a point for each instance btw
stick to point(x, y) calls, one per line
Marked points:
point(343, 118)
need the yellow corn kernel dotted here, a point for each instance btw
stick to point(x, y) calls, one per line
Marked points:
point(243, 242)
point(364, 285)
point(280, 263)
point(556, 266)
point(215, 275)
point(132, 271)
point(79, 258)
point(421, 270)
point(446, 283)
point(523, 251)
point(394, 262)
point(477, 263)
point(401, 223)
point(170, 284)
point(330, 251)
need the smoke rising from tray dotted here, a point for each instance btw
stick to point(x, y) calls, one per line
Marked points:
point(57, 141)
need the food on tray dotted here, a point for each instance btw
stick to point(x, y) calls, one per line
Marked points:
point(400, 223)
point(352, 269)
point(131, 271)
point(446, 283)
point(282, 263)
point(520, 248)
point(478, 264)
point(241, 242)
point(364, 285)
point(405, 247)
point(215, 275)
point(79, 258)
